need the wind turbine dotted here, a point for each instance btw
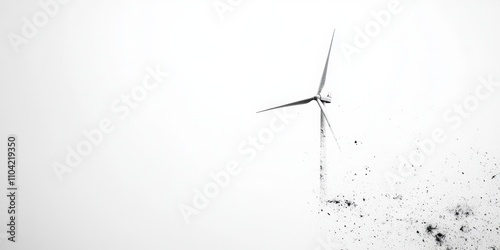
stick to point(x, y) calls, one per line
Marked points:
point(320, 100)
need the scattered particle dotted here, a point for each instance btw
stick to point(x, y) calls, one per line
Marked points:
point(440, 238)
point(462, 211)
point(430, 229)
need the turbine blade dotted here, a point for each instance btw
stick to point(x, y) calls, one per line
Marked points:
point(323, 78)
point(290, 104)
point(322, 107)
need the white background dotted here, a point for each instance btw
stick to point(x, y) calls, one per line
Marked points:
point(126, 193)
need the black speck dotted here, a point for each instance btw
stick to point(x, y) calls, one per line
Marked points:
point(465, 229)
point(440, 238)
point(462, 211)
point(350, 203)
point(430, 229)
point(398, 197)
point(334, 201)
point(345, 203)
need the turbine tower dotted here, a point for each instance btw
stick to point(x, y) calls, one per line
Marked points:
point(320, 100)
